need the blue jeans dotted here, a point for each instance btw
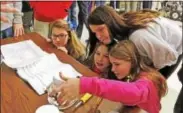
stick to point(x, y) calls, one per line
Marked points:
point(72, 17)
point(82, 16)
point(6, 33)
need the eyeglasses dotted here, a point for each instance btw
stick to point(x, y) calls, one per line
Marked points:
point(59, 36)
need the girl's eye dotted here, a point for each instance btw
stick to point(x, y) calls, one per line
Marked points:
point(97, 53)
point(116, 64)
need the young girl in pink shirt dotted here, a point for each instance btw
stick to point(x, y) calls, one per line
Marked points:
point(141, 86)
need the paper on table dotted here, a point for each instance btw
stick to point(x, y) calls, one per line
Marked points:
point(21, 54)
point(34, 65)
point(40, 74)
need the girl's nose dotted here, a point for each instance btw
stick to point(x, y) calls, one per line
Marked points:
point(100, 58)
point(98, 36)
point(57, 39)
point(113, 69)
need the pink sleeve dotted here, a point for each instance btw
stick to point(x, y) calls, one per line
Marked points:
point(128, 93)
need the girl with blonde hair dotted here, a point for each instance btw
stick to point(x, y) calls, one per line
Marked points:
point(66, 40)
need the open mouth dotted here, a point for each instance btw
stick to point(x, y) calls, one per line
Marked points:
point(99, 64)
point(103, 40)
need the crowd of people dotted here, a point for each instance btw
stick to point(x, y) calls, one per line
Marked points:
point(133, 52)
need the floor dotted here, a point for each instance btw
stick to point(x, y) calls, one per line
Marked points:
point(173, 83)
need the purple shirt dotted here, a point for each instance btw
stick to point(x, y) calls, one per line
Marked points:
point(142, 92)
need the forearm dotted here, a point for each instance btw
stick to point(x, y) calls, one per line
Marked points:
point(18, 16)
point(115, 90)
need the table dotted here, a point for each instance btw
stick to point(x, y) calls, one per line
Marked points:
point(18, 97)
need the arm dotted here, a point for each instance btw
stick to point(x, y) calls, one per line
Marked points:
point(6, 9)
point(17, 20)
point(17, 16)
point(127, 93)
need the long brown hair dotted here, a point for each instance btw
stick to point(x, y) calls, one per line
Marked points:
point(74, 46)
point(139, 19)
point(126, 50)
point(119, 26)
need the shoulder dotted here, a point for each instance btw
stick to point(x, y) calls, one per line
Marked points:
point(143, 78)
point(141, 38)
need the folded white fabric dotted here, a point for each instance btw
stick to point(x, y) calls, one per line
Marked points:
point(22, 53)
point(40, 74)
point(35, 65)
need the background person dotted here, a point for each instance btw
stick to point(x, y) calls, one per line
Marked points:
point(6, 9)
point(27, 17)
point(13, 25)
point(82, 16)
point(46, 12)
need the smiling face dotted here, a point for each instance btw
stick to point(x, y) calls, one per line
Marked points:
point(59, 37)
point(101, 32)
point(101, 58)
point(121, 68)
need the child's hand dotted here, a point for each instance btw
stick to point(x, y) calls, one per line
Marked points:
point(63, 49)
point(18, 29)
point(69, 89)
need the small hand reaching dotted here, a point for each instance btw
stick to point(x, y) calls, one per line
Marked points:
point(69, 90)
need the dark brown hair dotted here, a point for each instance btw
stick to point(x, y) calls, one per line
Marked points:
point(119, 26)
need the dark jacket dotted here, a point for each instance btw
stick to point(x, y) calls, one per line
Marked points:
point(26, 6)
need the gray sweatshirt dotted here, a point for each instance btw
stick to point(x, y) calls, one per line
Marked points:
point(13, 18)
point(161, 42)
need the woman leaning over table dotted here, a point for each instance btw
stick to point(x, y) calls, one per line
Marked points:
point(158, 39)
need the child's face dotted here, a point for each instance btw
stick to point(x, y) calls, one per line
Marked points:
point(101, 58)
point(121, 68)
point(59, 37)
